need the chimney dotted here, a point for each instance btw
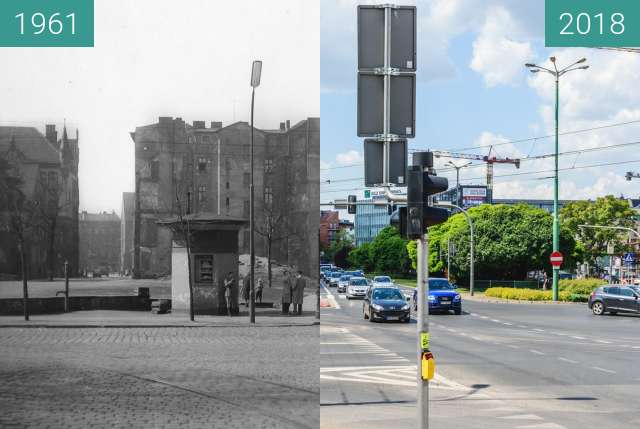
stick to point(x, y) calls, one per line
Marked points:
point(282, 126)
point(52, 134)
point(216, 124)
point(199, 125)
point(288, 124)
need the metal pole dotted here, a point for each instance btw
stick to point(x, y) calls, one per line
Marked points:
point(252, 307)
point(556, 224)
point(218, 175)
point(386, 89)
point(471, 271)
point(423, 327)
point(448, 259)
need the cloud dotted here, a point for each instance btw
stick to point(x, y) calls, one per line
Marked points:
point(349, 158)
point(496, 53)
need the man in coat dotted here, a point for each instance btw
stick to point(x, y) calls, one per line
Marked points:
point(246, 289)
point(298, 293)
point(286, 292)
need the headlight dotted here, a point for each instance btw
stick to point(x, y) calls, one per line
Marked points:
point(432, 298)
point(377, 307)
point(456, 298)
point(406, 307)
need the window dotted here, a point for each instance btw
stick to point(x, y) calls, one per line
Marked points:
point(204, 269)
point(246, 179)
point(268, 195)
point(268, 165)
point(626, 292)
point(154, 167)
point(202, 194)
point(245, 211)
point(227, 204)
point(206, 139)
point(202, 164)
point(227, 185)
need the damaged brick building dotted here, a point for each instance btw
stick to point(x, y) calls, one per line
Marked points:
point(182, 167)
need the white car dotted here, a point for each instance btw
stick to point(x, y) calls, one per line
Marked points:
point(343, 282)
point(381, 281)
point(358, 287)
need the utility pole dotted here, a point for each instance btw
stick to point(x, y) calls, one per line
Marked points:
point(423, 329)
point(556, 73)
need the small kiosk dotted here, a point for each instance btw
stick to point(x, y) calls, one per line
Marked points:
point(213, 245)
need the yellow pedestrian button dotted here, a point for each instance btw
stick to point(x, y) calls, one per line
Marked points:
point(428, 366)
point(424, 340)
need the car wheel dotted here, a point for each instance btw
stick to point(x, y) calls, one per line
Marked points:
point(364, 313)
point(348, 297)
point(407, 320)
point(371, 316)
point(458, 311)
point(598, 308)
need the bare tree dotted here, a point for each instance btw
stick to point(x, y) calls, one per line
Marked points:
point(184, 231)
point(273, 227)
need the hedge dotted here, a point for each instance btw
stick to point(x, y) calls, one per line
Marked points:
point(580, 287)
point(534, 295)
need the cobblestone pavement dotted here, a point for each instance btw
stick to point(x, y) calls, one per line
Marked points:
point(240, 377)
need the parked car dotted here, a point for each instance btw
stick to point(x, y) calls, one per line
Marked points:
point(382, 281)
point(614, 299)
point(343, 282)
point(357, 287)
point(442, 297)
point(386, 303)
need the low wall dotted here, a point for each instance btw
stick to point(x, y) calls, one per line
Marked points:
point(13, 306)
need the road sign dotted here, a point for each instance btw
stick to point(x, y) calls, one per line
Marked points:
point(402, 37)
point(374, 162)
point(629, 258)
point(556, 259)
point(402, 105)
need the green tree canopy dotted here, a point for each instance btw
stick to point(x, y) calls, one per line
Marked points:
point(509, 242)
point(387, 253)
point(607, 211)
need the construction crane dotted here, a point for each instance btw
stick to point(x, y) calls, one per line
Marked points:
point(631, 175)
point(488, 159)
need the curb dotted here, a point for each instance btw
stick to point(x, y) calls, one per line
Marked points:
point(80, 325)
point(517, 301)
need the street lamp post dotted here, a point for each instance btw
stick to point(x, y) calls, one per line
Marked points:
point(447, 204)
point(458, 168)
point(556, 73)
point(256, 71)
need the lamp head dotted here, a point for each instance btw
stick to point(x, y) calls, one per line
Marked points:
point(553, 59)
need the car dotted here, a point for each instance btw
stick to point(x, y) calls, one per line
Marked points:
point(343, 282)
point(386, 303)
point(615, 299)
point(333, 278)
point(357, 287)
point(382, 281)
point(442, 297)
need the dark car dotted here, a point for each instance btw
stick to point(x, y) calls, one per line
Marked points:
point(442, 297)
point(386, 303)
point(614, 299)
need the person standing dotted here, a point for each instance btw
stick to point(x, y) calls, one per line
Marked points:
point(228, 291)
point(286, 292)
point(259, 288)
point(298, 293)
point(246, 289)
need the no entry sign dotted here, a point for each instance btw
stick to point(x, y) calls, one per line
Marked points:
point(556, 259)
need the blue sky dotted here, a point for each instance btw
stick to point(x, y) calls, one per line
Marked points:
point(473, 90)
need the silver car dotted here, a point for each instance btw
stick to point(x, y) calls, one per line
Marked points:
point(343, 282)
point(358, 287)
point(381, 281)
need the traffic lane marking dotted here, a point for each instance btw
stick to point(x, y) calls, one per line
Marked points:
point(563, 359)
point(597, 368)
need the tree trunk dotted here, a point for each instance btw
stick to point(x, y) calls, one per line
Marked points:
point(25, 290)
point(269, 260)
point(52, 241)
point(191, 311)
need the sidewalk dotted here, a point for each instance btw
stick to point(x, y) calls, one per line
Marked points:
point(265, 317)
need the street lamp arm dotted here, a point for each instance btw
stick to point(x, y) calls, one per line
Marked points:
point(619, 228)
point(471, 242)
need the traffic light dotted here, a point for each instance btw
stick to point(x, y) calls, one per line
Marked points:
point(351, 206)
point(419, 214)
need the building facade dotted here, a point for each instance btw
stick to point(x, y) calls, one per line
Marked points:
point(99, 243)
point(191, 168)
point(126, 232)
point(41, 171)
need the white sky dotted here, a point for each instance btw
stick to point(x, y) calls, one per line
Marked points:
point(164, 58)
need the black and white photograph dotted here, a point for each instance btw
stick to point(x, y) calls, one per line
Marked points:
point(159, 213)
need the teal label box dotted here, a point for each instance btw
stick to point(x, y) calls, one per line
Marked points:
point(592, 23)
point(46, 23)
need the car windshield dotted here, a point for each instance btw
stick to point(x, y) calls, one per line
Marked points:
point(358, 282)
point(345, 278)
point(382, 279)
point(387, 294)
point(440, 284)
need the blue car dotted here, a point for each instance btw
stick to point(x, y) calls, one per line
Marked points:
point(442, 297)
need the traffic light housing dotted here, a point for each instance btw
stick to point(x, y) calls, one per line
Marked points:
point(420, 214)
point(399, 220)
point(351, 206)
